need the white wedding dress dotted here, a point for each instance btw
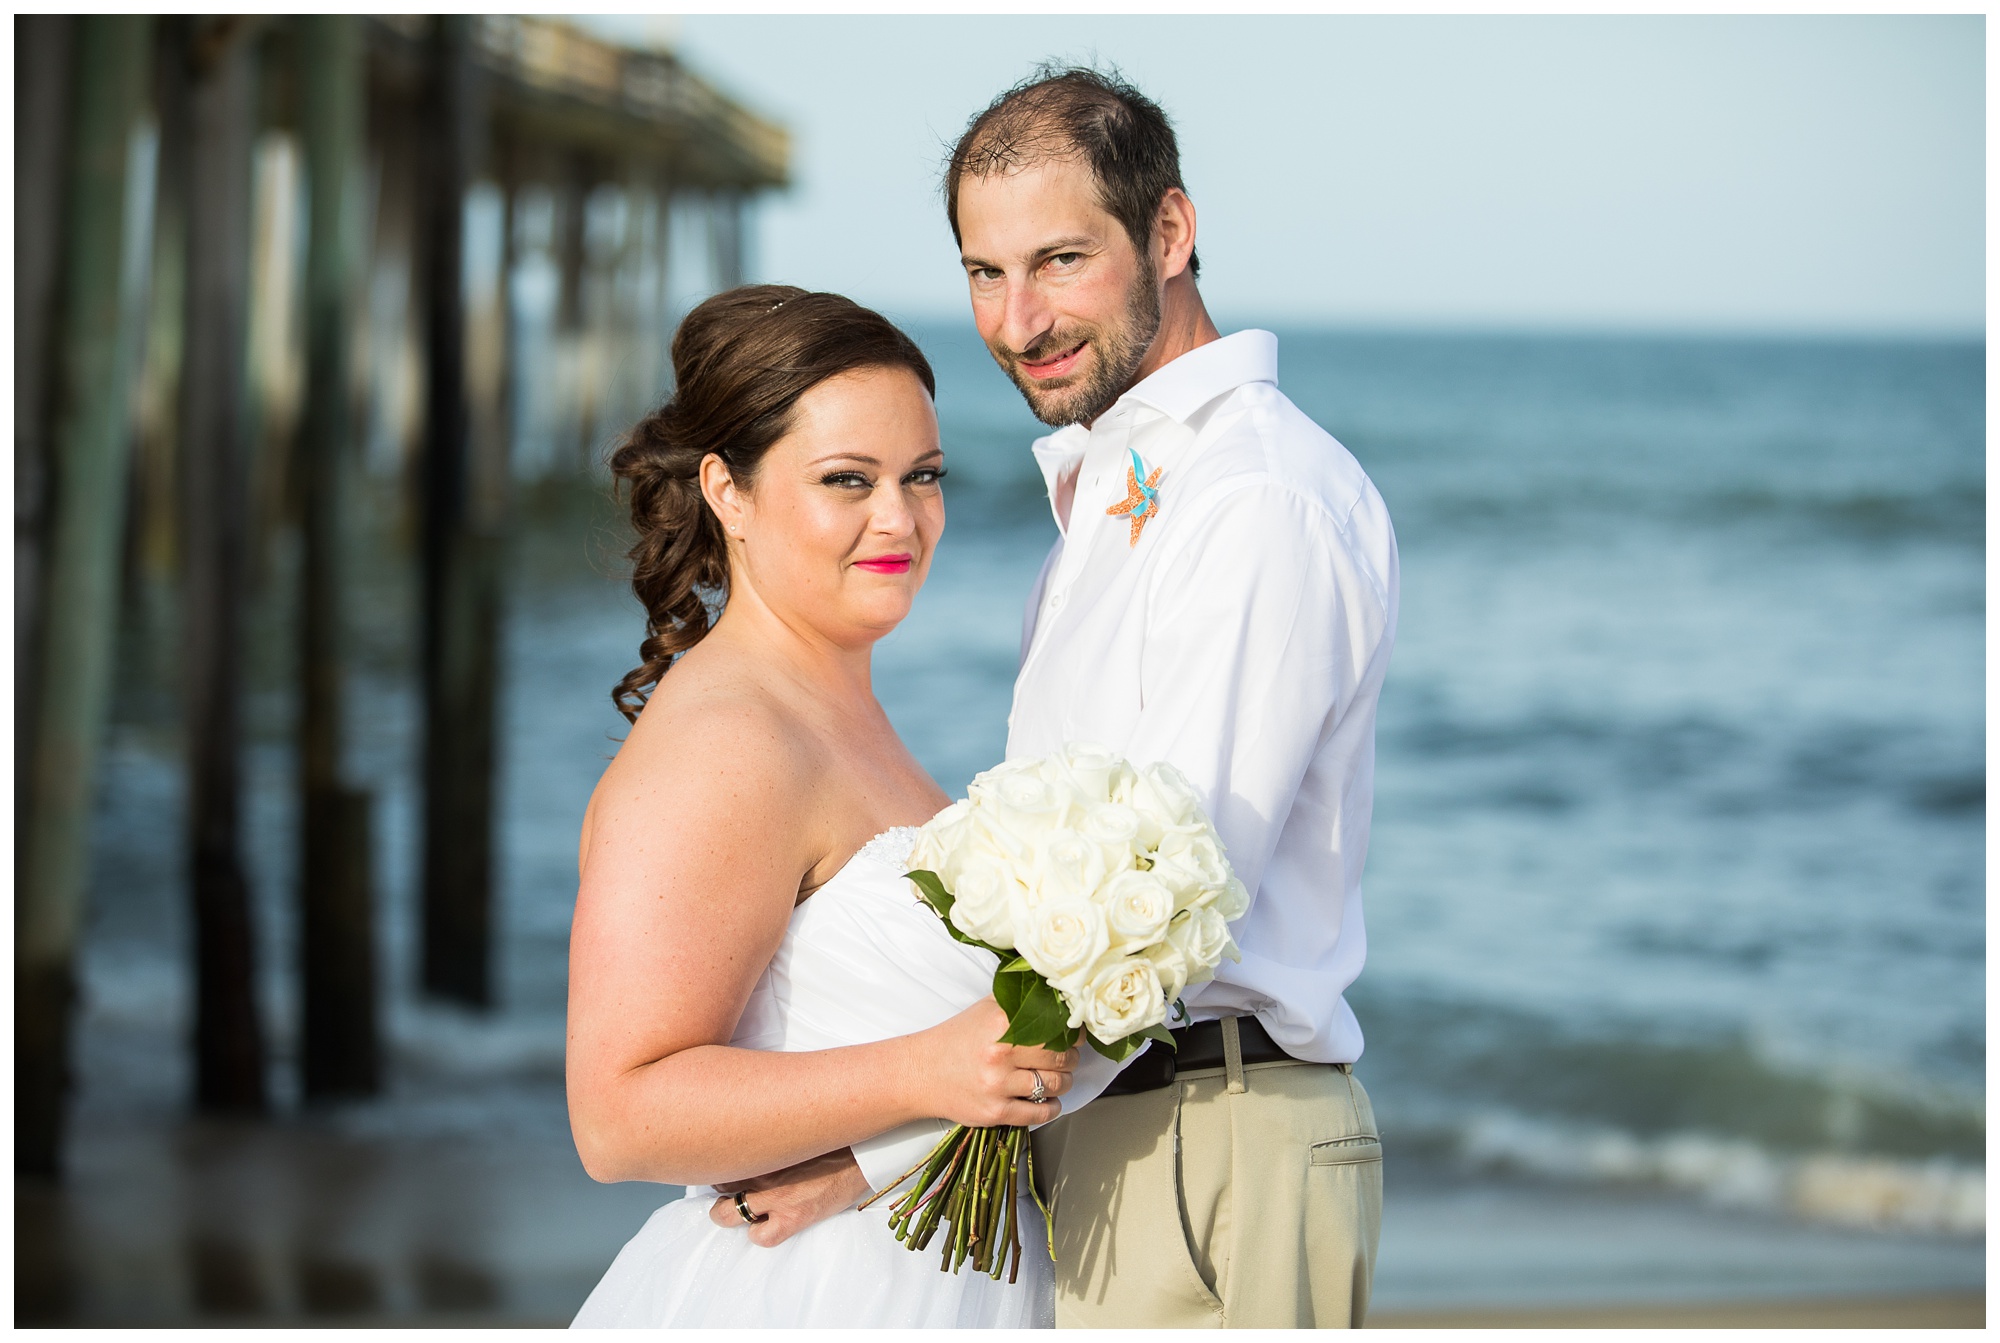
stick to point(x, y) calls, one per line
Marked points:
point(863, 960)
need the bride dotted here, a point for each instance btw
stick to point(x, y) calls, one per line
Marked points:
point(753, 985)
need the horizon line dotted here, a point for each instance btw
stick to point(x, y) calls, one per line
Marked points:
point(1911, 334)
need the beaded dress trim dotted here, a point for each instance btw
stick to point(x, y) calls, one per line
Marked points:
point(891, 848)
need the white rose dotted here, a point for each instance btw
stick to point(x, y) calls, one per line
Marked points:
point(1163, 794)
point(1171, 966)
point(1202, 939)
point(975, 838)
point(1062, 938)
point(1189, 859)
point(1020, 811)
point(1025, 900)
point(986, 783)
point(1071, 866)
point(1115, 828)
point(983, 901)
point(937, 837)
point(1121, 783)
point(1234, 901)
point(1088, 768)
point(1137, 906)
point(1123, 997)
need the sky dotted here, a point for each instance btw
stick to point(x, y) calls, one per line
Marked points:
point(1785, 174)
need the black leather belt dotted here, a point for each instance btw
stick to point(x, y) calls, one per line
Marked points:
point(1200, 1046)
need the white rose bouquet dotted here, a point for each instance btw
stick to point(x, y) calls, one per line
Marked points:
point(1105, 893)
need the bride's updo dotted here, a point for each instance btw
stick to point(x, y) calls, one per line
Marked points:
point(742, 360)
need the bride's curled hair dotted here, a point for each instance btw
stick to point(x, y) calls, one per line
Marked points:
point(742, 360)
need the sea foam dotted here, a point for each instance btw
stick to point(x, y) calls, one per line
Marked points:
point(1936, 1195)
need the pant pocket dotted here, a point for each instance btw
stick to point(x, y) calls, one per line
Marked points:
point(1353, 1151)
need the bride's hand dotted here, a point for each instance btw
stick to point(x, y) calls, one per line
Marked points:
point(787, 1201)
point(971, 1078)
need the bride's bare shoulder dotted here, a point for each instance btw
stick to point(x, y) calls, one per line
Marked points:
point(708, 754)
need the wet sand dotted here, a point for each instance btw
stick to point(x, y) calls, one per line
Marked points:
point(1943, 1311)
point(426, 1209)
point(457, 1199)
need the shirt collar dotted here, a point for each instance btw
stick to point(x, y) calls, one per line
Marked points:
point(1054, 452)
point(1178, 390)
point(1181, 388)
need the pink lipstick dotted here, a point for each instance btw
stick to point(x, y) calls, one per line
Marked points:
point(886, 564)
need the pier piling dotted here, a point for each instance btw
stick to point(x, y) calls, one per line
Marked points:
point(340, 1052)
point(74, 644)
point(222, 118)
point(459, 559)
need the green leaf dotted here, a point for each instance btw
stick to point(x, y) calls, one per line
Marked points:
point(1011, 986)
point(940, 900)
point(1120, 1050)
point(1042, 1017)
point(931, 887)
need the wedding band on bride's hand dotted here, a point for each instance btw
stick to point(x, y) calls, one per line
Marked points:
point(743, 1209)
point(1039, 1095)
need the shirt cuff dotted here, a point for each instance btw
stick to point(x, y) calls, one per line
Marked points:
point(1094, 1072)
point(887, 1155)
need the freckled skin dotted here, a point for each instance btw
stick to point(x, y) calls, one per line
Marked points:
point(760, 764)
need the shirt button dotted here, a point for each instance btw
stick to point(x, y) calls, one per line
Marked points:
point(1055, 602)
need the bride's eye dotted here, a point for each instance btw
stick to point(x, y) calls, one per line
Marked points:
point(847, 480)
point(925, 475)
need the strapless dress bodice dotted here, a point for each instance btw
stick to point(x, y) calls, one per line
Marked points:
point(863, 959)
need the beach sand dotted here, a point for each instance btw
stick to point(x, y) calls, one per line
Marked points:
point(1462, 1250)
point(428, 1210)
point(1938, 1311)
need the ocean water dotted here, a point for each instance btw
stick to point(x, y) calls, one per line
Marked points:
point(1677, 865)
point(1677, 869)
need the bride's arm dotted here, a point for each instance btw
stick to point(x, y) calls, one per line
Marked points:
point(696, 842)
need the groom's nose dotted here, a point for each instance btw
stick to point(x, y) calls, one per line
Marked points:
point(1025, 317)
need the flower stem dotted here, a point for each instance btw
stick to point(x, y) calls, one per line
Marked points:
point(1015, 1143)
point(1048, 1221)
point(934, 1157)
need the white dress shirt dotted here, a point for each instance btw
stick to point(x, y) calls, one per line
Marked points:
point(1243, 638)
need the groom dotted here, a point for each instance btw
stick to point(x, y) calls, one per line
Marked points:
point(1223, 597)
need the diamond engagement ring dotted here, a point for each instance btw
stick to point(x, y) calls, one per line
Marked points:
point(1040, 1094)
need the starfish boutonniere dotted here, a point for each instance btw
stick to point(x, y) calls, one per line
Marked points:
point(1142, 498)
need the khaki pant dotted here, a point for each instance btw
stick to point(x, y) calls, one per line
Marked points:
point(1202, 1206)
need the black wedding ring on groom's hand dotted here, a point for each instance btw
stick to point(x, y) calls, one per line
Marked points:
point(743, 1209)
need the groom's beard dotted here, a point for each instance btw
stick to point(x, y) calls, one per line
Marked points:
point(1115, 355)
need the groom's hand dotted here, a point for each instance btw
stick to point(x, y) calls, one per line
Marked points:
point(790, 1200)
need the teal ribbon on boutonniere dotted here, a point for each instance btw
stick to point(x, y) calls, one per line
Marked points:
point(1142, 497)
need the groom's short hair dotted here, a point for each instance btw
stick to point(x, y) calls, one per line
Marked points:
point(1075, 111)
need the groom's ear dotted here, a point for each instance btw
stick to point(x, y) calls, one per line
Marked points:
point(1173, 234)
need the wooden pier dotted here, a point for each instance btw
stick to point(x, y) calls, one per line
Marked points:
point(265, 281)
